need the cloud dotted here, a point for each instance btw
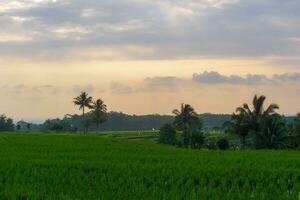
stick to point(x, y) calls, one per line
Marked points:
point(119, 88)
point(170, 28)
point(83, 88)
point(217, 78)
point(287, 77)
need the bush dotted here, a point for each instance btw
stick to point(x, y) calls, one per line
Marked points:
point(197, 139)
point(167, 134)
point(211, 145)
point(223, 144)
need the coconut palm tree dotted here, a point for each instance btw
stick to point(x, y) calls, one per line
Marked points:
point(254, 116)
point(99, 114)
point(186, 120)
point(273, 133)
point(83, 101)
point(185, 117)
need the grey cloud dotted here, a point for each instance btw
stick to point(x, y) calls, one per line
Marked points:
point(217, 78)
point(213, 77)
point(162, 81)
point(83, 88)
point(173, 29)
point(120, 88)
point(287, 77)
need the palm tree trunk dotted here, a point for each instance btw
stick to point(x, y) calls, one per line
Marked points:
point(83, 118)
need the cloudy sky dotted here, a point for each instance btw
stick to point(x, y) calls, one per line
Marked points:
point(147, 56)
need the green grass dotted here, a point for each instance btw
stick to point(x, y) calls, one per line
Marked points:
point(113, 165)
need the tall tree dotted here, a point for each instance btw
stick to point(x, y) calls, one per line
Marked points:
point(185, 117)
point(246, 120)
point(186, 120)
point(99, 113)
point(83, 101)
point(254, 116)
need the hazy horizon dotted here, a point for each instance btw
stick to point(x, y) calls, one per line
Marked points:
point(148, 56)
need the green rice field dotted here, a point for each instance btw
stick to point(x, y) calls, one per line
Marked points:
point(131, 165)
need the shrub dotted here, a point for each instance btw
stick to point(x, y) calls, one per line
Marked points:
point(197, 138)
point(223, 144)
point(167, 134)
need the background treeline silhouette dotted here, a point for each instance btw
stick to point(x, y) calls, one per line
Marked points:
point(118, 121)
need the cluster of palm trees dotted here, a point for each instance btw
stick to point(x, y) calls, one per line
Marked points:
point(98, 109)
point(264, 128)
point(256, 127)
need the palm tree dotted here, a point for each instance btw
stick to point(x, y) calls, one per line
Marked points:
point(83, 101)
point(246, 120)
point(186, 120)
point(185, 117)
point(254, 116)
point(99, 114)
point(273, 133)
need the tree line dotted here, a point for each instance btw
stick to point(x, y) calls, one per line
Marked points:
point(255, 127)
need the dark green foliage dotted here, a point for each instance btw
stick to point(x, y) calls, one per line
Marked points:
point(268, 129)
point(211, 145)
point(187, 121)
point(247, 120)
point(57, 125)
point(185, 118)
point(28, 126)
point(98, 113)
point(239, 126)
point(84, 101)
point(223, 144)
point(272, 133)
point(167, 134)
point(197, 138)
point(296, 129)
point(6, 124)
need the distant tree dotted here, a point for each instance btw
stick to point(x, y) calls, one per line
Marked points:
point(57, 125)
point(28, 127)
point(99, 112)
point(6, 124)
point(273, 133)
point(167, 134)
point(18, 127)
point(83, 101)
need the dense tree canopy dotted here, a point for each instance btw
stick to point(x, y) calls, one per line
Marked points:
point(6, 124)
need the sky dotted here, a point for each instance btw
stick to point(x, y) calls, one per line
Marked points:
point(147, 56)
